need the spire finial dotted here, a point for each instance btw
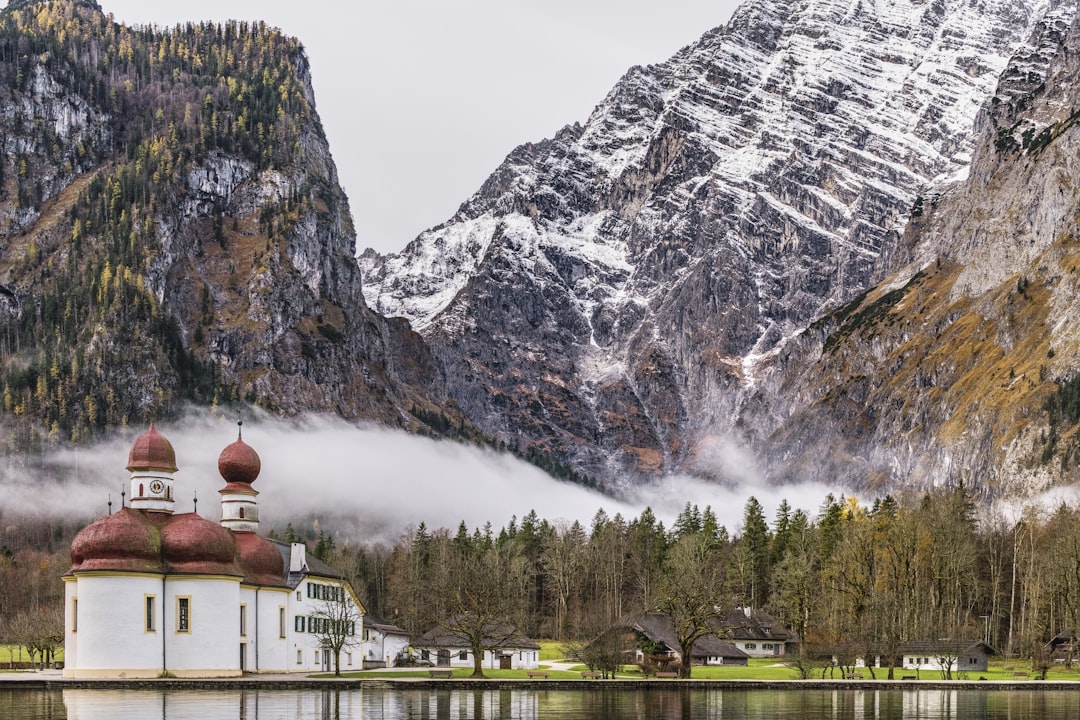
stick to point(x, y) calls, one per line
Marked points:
point(110, 503)
point(196, 501)
point(123, 494)
point(239, 429)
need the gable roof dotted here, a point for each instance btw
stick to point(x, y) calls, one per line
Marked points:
point(744, 623)
point(946, 647)
point(380, 625)
point(498, 636)
point(312, 564)
point(658, 627)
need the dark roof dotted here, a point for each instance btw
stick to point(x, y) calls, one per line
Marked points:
point(659, 628)
point(947, 647)
point(384, 627)
point(501, 636)
point(752, 624)
point(315, 566)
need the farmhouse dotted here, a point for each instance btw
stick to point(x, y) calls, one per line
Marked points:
point(756, 633)
point(946, 655)
point(653, 634)
point(156, 593)
point(504, 648)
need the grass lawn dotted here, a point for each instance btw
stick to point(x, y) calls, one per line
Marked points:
point(10, 653)
point(550, 650)
point(458, 673)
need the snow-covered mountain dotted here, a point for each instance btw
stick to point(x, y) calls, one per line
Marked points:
point(613, 298)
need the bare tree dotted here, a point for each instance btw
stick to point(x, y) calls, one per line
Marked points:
point(336, 622)
point(690, 592)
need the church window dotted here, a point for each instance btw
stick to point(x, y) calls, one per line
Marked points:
point(281, 621)
point(243, 620)
point(140, 489)
point(74, 614)
point(183, 614)
point(149, 614)
point(241, 513)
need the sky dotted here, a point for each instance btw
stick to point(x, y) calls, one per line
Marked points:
point(422, 99)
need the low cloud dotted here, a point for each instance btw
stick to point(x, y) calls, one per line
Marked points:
point(363, 483)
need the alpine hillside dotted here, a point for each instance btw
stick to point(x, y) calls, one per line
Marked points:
point(632, 296)
point(172, 230)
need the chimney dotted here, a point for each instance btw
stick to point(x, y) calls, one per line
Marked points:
point(298, 559)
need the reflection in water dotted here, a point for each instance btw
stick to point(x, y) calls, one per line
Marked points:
point(670, 702)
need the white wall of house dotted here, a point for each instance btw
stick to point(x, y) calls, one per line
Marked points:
point(305, 653)
point(759, 648)
point(383, 650)
point(520, 658)
point(961, 663)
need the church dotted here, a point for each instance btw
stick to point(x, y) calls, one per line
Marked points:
point(156, 593)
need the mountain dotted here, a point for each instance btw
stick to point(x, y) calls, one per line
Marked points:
point(172, 231)
point(961, 367)
point(657, 290)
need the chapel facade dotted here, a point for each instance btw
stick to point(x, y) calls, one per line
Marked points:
point(156, 593)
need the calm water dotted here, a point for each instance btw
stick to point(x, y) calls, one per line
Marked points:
point(503, 704)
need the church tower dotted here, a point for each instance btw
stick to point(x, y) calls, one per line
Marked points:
point(152, 463)
point(239, 465)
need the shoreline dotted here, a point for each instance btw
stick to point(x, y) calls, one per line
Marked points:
point(49, 680)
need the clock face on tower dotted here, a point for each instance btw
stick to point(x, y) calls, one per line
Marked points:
point(156, 487)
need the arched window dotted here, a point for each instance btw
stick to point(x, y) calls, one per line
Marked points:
point(140, 490)
point(241, 513)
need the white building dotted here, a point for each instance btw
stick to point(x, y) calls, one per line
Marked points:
point(503, 648)
point(155, 593)
point(384, 643)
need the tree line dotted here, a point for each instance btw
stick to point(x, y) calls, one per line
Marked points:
point(851, 580)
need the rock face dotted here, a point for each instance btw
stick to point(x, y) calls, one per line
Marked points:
point(172, 230)
point(957, 367)
point(622, 296)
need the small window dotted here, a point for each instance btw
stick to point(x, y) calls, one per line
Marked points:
point(243, 620)
point(281, 621)
point(316, 656)
point(149, 615)
point(463, 655)
point(183, 614)
point(298, 623)
point(751, 646)
point(348, 657)
point(425, 654)
point(299, 656)
point(298, 596)
point(74, 614)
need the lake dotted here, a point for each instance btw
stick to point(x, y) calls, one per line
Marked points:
point(389, 702)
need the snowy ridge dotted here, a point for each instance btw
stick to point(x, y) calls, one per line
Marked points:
point(711, 207)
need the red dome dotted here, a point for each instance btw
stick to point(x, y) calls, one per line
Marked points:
point(192, 544)
point(127, 540)
point(151, 451)
point(239, 463)
point(260, 560)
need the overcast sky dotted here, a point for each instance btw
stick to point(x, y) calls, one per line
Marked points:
point(422, 99)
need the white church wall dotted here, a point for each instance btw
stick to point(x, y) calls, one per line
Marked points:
point(210, 645)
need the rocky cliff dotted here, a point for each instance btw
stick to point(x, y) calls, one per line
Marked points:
point(172, 230)
point(623, 296)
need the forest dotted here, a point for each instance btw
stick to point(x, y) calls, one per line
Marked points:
point(851, 580)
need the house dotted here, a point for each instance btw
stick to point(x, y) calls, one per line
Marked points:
point(156, 593)
point(1063, 647)
point(654, 634)
point(946, 655)
point(756, 633)
point(504, 648)
point(384, 643)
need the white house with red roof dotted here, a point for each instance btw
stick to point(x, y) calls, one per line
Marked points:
point(155, 593)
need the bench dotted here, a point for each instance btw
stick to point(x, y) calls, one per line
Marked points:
point(1021, 675)
point(667, 674)
point(440, 672)
point(537, 673)
point(853, 676)
point(908, 677)
point(594, 675)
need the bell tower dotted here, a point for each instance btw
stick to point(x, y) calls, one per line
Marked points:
point(152, 462)
point(239, 465)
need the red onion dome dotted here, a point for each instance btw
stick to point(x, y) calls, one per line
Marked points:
point(124, 541)
point(192, 544)
point(151, 451)
point(260, 560)
point(239, 463)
